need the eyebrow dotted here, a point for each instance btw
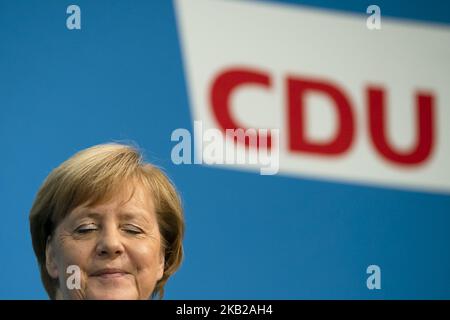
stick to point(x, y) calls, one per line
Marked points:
point(124, 215)
point(135, 214)
point(87, 213)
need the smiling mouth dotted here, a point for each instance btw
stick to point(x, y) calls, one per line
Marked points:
point(109, 273)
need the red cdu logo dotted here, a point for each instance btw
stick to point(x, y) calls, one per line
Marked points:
point(296, 88)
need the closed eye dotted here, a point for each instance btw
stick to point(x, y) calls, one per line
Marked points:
point(86, 228)
point(132, 229)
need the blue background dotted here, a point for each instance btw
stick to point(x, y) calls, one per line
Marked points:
point(248, 236)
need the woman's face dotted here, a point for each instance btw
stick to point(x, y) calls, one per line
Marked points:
point(116, 246)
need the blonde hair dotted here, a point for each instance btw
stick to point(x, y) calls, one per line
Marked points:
point(95, 175)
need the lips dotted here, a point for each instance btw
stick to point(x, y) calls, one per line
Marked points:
point(109, 273)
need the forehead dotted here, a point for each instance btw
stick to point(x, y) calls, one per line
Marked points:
point(130, 199)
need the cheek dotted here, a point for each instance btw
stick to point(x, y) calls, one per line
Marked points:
point(145, 255)
point(74, 253)
point(146, 258)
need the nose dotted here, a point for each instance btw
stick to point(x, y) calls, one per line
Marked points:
point(109, 244)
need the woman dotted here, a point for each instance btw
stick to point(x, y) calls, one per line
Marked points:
point(106, 225)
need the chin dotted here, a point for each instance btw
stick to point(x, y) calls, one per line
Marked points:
point(112, 295)
point(112, 288)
